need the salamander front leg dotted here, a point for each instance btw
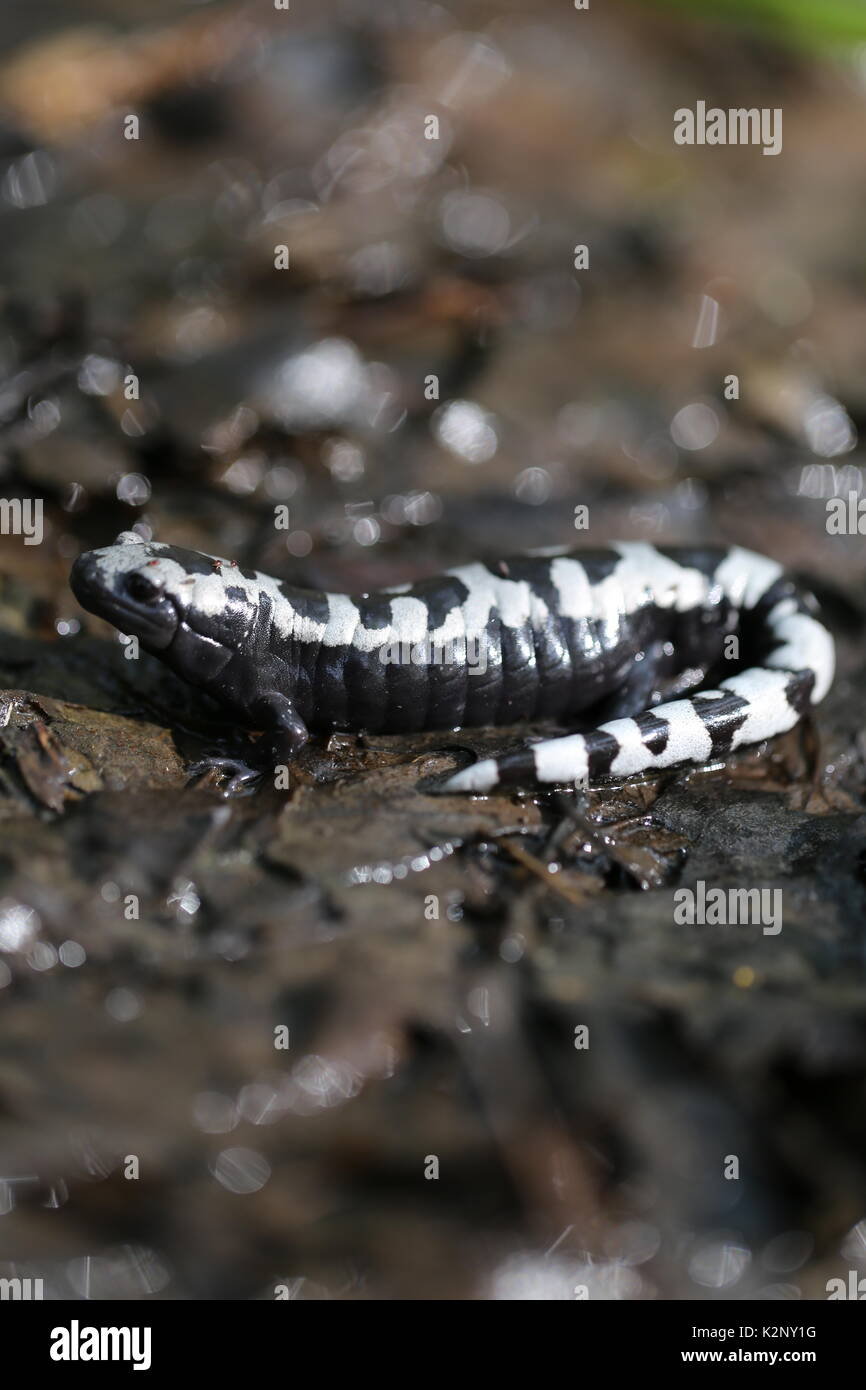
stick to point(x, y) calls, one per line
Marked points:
point(285, 734)
point(276, 715)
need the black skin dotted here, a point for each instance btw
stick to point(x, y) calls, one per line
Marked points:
point(275, 712)
point(286, 737)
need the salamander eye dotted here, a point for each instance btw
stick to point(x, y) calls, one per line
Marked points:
point(142, 589)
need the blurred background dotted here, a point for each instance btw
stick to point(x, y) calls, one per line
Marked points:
point(430, 380)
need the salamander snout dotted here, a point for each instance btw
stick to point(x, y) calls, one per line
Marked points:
point(125, 595)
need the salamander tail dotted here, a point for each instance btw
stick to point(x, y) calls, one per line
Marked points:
point(747, 708)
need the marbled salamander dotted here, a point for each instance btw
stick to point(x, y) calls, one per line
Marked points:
point(620, 630)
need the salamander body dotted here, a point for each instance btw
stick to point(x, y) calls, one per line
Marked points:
point(621, 633)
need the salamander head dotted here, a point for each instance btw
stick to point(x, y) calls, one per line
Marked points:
point(193, 610)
